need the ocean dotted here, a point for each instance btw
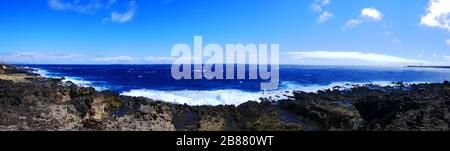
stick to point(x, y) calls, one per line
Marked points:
point(156, 82)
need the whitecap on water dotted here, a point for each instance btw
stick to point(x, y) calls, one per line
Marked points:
point(76, 80)
point(193, 97)
point(237, 97)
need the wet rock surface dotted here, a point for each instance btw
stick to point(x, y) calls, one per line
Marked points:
point(30, 102)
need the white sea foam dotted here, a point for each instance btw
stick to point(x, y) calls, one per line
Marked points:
point(76, 80)
point(42, 73)
point(83, 83)
point(192, 97)
point(236, 97)
point(315, 87)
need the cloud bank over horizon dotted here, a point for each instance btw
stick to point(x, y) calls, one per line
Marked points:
point(62, 58)
point(354, 58)
point(360, 57)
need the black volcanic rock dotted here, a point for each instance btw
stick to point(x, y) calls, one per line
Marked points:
point(30, 102)
point(324, 110)
point(37, 103)
point(423, 107)
point(249, 116)
point(401, 107)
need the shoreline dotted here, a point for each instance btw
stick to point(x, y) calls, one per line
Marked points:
point(220, 96)
point(38, 103)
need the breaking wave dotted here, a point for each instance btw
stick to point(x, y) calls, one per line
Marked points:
point(235, 97)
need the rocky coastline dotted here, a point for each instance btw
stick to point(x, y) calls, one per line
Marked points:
point(29, 102)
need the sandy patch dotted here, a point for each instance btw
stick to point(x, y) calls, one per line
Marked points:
point(15, 77)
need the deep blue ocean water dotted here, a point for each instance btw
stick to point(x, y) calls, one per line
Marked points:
point(155, 81)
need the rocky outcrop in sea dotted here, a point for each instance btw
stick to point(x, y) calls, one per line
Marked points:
point(30, 102)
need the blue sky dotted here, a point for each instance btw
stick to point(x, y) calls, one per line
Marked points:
point(338, 32)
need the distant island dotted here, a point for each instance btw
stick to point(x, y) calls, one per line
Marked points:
point(428, 66)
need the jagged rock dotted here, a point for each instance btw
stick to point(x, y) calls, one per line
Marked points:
point(30, 102)
point(65, 117)
point(424, 107)
point(250, 116)
point(143, 121)
point(49, 104)
point(212, 124)
point(326, 114)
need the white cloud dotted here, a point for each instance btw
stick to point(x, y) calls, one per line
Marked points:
point(43, 58)
point(367, 14)
point(116, 59)
point(69, 58)
point(438, 14)
point(372, 13)
point(397, 42)
point(35, 55)
point(126, 16)
point(447, 57)
point(76, 5)
point(318, 4)
point(92, 6)
point(448, 42)
point(159, 59)
point(352, 55)
point(25, 54)
point(324, 17)
point(317, 7)
point(56, 4)
point(326, 2)
point(352, 23)
point(110, 3)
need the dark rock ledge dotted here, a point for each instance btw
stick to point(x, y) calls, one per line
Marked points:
point(29, 102)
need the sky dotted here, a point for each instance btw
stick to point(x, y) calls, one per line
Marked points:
point(309, 32)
